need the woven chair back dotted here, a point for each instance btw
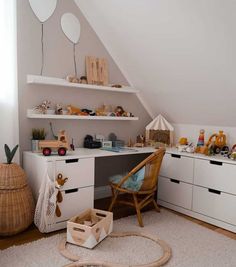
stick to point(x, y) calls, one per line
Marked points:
point(152, 168)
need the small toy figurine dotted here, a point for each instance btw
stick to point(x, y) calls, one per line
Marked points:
point(72, 79)
point(72, 145)
point(42, 108)
point(83, 79)
point(59, 110)
point(119, 111)
point(200, 141)
point(72, 110)
point(140, 141)
point(183, 141)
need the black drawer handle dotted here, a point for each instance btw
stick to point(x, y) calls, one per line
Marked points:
point(69, 191)
point(214, 191)
point(175, 156)
point(216, 162)
point(175, 181)
point(71, 160)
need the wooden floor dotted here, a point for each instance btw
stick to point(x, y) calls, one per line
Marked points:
point(32, 233)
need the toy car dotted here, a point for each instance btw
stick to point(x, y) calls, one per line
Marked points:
point(61, 145)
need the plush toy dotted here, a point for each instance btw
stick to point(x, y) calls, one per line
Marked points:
point(83, 79)
point(42, 108)
point(59, 109)
point(72, 110)
point(119, 111)
point(72, 79)
point(60, 181)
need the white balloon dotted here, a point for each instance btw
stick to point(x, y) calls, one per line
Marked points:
point(71, 27)
point(43, 9)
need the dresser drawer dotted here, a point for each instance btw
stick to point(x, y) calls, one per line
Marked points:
point(216, 175)
point(80, 172)
point(175, 192)
point(75, 201)
point(177, 167)
point(215, 204)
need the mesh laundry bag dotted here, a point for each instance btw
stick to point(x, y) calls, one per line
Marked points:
point(46, 205)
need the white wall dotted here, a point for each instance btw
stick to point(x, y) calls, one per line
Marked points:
point(59, 63)
point(180, 53)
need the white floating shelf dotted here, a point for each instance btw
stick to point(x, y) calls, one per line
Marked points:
point(32, 115)
point(43, 80)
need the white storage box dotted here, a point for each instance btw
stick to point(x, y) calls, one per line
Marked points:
point(89, 228)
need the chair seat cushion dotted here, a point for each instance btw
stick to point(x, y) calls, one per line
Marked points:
point(133, 183)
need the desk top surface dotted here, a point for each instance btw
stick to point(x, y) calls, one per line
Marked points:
point(91, 153)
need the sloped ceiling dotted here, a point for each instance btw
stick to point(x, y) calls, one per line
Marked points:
point(181, 54)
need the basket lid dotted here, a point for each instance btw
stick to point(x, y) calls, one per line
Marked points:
point(12, 176)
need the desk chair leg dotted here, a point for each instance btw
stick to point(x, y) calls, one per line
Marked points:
point(139, 216)
point(114, 197)
point(155, 205)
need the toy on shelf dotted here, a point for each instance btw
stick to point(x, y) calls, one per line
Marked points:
point(72, 110)
point(159, 132)
point(183, 141)
point(140, 141)
point(201, 148)
point(59, 109)
point(119, 111)
point(43, 107)
point(83, 80)
point(217, 144)
point(61, 145)
point(72, 79)
point(232, 153)
point(116, 86)
point(96, 70)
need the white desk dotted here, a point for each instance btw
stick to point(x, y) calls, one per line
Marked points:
point(79, 167)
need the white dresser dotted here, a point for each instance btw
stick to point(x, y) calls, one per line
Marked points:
point(199, 186)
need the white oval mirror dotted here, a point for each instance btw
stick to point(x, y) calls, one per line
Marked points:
point(71, 27)
point(43, 9)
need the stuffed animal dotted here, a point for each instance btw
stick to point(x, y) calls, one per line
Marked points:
point(42, 108)
point(72, 79)
point(59, 109)
point(72, 110)
point(83, 79)
point(60, 181)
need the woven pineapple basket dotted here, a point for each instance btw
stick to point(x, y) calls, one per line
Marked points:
point(16, 200)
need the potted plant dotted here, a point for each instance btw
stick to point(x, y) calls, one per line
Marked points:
point(37, 135)
point(16, 200)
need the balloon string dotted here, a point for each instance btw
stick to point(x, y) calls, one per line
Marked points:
point(42, 45)
point(74, 61)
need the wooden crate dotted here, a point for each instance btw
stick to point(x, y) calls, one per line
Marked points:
point(89, 228)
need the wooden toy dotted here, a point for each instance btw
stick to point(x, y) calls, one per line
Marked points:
point(96, 70)
point(140, 141)
point(218, 142)
point(159, 131)
point(43, 107)
point(61, 145)
point(72, 110)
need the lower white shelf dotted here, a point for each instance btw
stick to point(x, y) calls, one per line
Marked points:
point(32, 115)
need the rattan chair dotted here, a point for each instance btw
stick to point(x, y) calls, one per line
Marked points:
point(147, 191)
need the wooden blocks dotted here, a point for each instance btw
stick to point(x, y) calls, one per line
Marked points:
point(96, 70)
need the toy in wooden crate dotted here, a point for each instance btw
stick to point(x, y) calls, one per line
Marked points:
point(89, 228)
point(159, 131)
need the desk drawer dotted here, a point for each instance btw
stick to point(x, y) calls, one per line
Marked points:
point(177, 167)
point(215, 204)
point(75, 201)
point(175, 192)
point(216, 175)
point(80, 172)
